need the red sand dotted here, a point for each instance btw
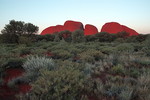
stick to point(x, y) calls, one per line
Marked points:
point(7, 93)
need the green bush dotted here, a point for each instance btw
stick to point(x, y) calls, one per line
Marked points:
point(9, 38)
point(143, 90)
point(25, 40)
point(78, 36)
point(47, 37)
point(105, 37)
point(64, 83)
point(90, 38)
point(126, 94)
point(25, 51)
point(66, 35)
point(118, 69)
point(14, 63)
point(61, 54)
point(133, 72)
point(91, 55)
point(125, 47)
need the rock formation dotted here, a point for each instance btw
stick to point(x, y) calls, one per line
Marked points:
point(111, 27)
point(90, 29)
point(114, 28)
point(73, 25)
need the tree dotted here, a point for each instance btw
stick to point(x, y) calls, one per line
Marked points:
point(15, 29)
point(19, 28)
point(30, 29)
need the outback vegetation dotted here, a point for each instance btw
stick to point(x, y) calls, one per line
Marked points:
point(70, 66)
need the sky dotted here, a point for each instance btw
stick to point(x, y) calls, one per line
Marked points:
point(44, 13)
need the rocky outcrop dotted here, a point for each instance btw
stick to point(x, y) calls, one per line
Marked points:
point(114, 28)
point(111, 27)
point(68, 25)
point(73, 25)
point(90, 29)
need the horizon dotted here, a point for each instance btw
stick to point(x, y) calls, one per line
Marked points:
point(46, 13)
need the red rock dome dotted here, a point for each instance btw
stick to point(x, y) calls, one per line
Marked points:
point(129, 30)
point(90, 29)
point(68, 25)
point(73, 25)
point(114, 28)
point(53, 29)
point(111, 27)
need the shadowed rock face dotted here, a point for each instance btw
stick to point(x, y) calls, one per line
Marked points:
point(90, 29)
point(114, 28)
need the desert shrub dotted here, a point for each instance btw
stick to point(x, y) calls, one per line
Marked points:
point(90, 38)
point(35, 63)
point(143, 90)
point(134, 72)
point(47, 37)
point(131, 39)
point(105, 37)
point(78, 36)
point(91, 55)
point(142, 61)
point(9, 38)
point(25, 40)
point(118, 69)
point(125, 47)
point(57, 37)
point(96, 88)
point(66, 35)
point(61, 54)
point(122, 34)
point(38, 51)
point(14, 63)
point(126, 94)
point(141, 37)
point(113, 89)
point(108, 49)
point(146, 47)
point(119, 40)
point(65, 83)
point(25, 51)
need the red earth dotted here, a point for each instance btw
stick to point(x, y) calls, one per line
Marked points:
point(7, 93)
point(114, 28)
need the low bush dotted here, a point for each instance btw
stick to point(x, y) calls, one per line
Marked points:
point(35, 63)
point(14, 63)
point(125, 48)
point(78, 36)
point(118, 69)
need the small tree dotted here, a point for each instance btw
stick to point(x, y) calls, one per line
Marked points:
point(30, 29)
point(19, 28)
point(12, 31)
point(14, 27)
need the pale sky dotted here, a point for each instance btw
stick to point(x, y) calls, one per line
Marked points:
point(44, 13)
